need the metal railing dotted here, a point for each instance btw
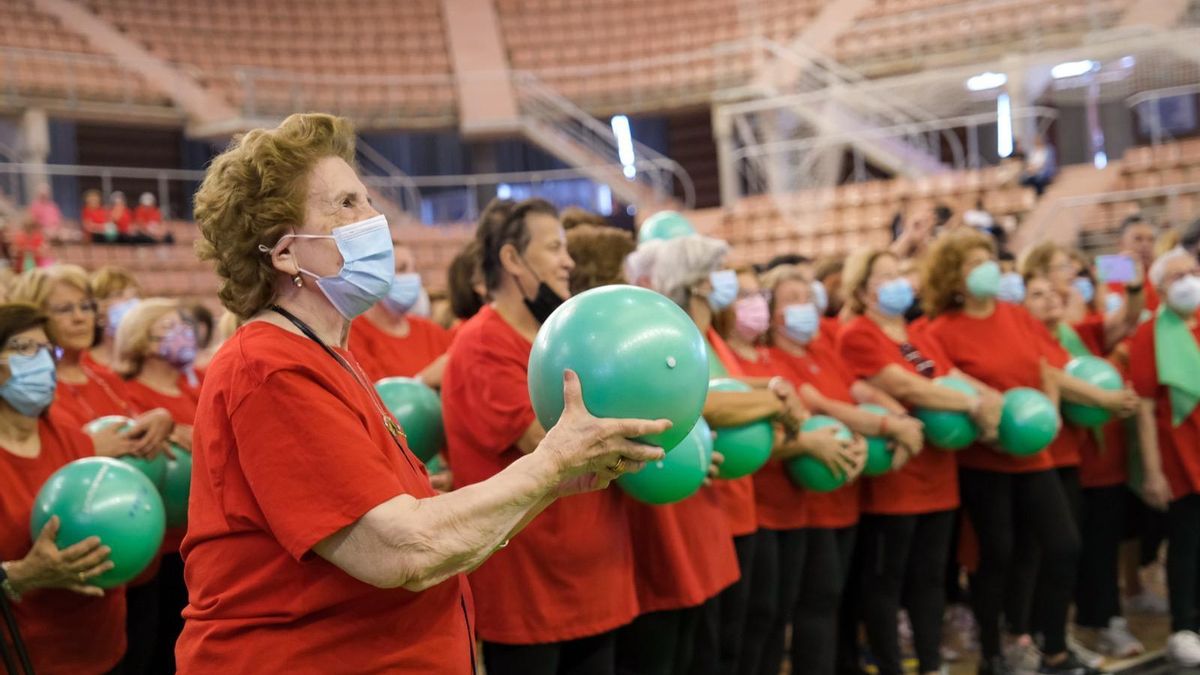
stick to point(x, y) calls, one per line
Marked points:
point(542, 104)
point(400, 193)
point(1071, 210)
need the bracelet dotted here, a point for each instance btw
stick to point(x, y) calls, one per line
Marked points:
point(1134, 290)
point(6, 585)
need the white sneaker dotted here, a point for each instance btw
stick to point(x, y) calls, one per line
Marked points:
point(1117, 641)
point(1146, 602)
point(1183, 649)
point(1084, 655)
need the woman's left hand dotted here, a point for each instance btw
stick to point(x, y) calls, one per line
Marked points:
point(182, 436)
point(150, 432)
point(1124, 402)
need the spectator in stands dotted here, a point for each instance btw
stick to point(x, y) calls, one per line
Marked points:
point(47, 215)
point(574, 216)
point(96, 220)
point(27, 246)
point(116, 291)
point(1041, 166)
point(148, 221)
point(120, 215)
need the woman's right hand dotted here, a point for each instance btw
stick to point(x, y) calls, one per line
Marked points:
point(987, 414)
point(1156, 491)
point(835, 453)
point(590, 452)
point(70, 568)
point(112, 442)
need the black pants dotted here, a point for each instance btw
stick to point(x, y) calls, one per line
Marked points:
point(774, 586)
point(1101, 527)
point(1029, 601)
point(594, 655)
point(1000, 506)
point(141, 627)
point(903, 560)
point(1183, 562)
point(172, 598)
point(722, 623)
point(658, 643)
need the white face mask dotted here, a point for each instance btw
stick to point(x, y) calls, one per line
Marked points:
point(1184, 295)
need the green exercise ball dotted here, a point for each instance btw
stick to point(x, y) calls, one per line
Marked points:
point(677, 476)
point(946, 429)
point(637, 354)
point(747, 447)
point(811, 473)
point(435, 465)
point(155, 469)
point(1028, 423)
point(418, 410)
point(1096, 371)
point(665, 225)
point(879, 455)
point(101, 497)
point(177, 486)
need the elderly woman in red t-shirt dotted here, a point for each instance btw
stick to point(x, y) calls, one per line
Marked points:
point(1003, 346)
point(1164, 359)
point(68, 625)
point(315, 541)
point(908, 514)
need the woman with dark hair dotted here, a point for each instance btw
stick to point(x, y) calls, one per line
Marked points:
point(537, 602)
point(68, 625)
point(464, 285)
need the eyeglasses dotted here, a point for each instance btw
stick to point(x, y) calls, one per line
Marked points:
point(26, 347)
point(84, 307)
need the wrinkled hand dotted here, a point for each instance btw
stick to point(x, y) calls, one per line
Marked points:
point(908, 432)
point(48, 566)
point(1156, 491)
point(1124, 403)
point(586, 449)
point(835, 453)
point(714, 466)
point(900, 456)
point(111, 442)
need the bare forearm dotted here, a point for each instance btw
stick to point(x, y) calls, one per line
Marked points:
point(918, 392)
point(418, 543)
point(432, 374)
point(1076, 390)
point(735, 408)
point(865, 392)
point(1148, 438)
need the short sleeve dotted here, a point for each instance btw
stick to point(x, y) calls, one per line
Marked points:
point(1143, 367)
point(1091, 331)
point(309, 460)
point(863, 354)
point(494, 401)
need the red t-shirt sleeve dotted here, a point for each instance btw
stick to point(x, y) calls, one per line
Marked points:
point(1143, 366)
point(291, 430)
point(1091, 331)
point(498, 398)
point(1049, 347)
point(862, 351)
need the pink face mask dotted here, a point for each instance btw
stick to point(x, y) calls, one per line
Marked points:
point(752, 316)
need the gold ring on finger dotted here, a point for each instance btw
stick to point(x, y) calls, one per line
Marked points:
point(619, 467)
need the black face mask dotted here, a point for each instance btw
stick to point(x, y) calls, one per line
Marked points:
point(544, 303)
point(914, 312)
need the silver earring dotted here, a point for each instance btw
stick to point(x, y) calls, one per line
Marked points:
point(298, 281)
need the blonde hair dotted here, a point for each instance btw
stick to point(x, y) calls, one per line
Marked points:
point(133, 335)
point(34, 286)
point(776, 277)
point(1036, 261)
point(111, 280)
point(253, 192)
point(941, 274)
point(855, 273)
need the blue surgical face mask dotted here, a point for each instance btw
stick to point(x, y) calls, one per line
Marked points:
point(724, 289)
point(895, 296)
point(30, 387)
point(1012, 288)
point(368, 265)
point(801, 322)
point(820, 296)
point(984, 281)
point(1086, 288)
point(404, 293)
point(1113, 302)
point(116, 312)
point(423, 308)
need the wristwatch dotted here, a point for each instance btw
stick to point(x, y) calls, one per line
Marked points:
point(6, 586)
point(1133, 290)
